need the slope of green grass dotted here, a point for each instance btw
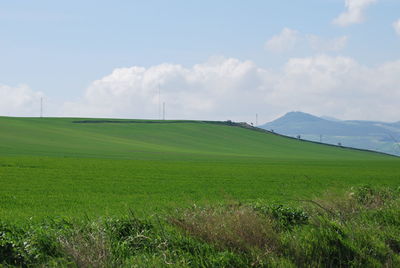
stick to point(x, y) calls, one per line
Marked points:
point(62, 137)
point(54, 167)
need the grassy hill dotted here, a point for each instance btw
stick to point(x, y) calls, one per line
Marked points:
point(152, 140)
point(74, 167)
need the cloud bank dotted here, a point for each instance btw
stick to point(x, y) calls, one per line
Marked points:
point(228, 88)
point(354, 12)
point(219, 89)
point(19, 101)
point(290, 39)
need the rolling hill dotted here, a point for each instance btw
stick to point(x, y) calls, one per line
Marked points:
point(152, 139)
point(378, 136)
point(74, 166)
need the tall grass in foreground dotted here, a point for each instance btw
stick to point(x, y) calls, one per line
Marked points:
point(358, 229)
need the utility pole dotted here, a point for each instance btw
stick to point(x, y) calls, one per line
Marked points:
point(320, 138)
point(159, 102)
point(163, 111)
point(41, 107)
point(256, 119)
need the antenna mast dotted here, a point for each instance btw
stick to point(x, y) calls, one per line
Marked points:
point(159, 102)
point(163, 111)
point(41, 107)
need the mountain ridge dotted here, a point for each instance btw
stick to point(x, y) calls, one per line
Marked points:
point(370, 135)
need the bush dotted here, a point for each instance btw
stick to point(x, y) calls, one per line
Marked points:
point(11, 248)
point(286, 217)
point(30, 244)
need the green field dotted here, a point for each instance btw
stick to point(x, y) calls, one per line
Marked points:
point(55, 167)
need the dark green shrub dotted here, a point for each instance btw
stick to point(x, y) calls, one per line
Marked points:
point(285, 216)
point(24, 246)
point(11, 245)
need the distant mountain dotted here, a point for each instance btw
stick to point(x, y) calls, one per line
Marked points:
point(330, 118)
point(397, 124)
point(372, 135)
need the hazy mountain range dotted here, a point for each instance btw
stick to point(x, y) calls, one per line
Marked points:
point(372, 135)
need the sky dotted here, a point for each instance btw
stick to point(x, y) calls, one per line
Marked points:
point(211, 60)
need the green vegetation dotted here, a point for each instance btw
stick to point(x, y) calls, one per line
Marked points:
point(54, 167)
point(121, 193)
point(359, 229)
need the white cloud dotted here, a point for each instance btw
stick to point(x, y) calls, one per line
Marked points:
point(319, 44)
point(222, 89)
point(396, 26)
point(207, 90)
point(19, 101)
point(354, 12)
point(284, 41)
point(290, 39)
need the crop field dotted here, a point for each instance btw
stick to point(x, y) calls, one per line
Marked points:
point(134, 193)
point(58, 167)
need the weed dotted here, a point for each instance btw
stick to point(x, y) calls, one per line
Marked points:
point(238, 228)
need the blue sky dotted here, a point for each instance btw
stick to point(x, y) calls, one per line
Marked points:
point(58, 49)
